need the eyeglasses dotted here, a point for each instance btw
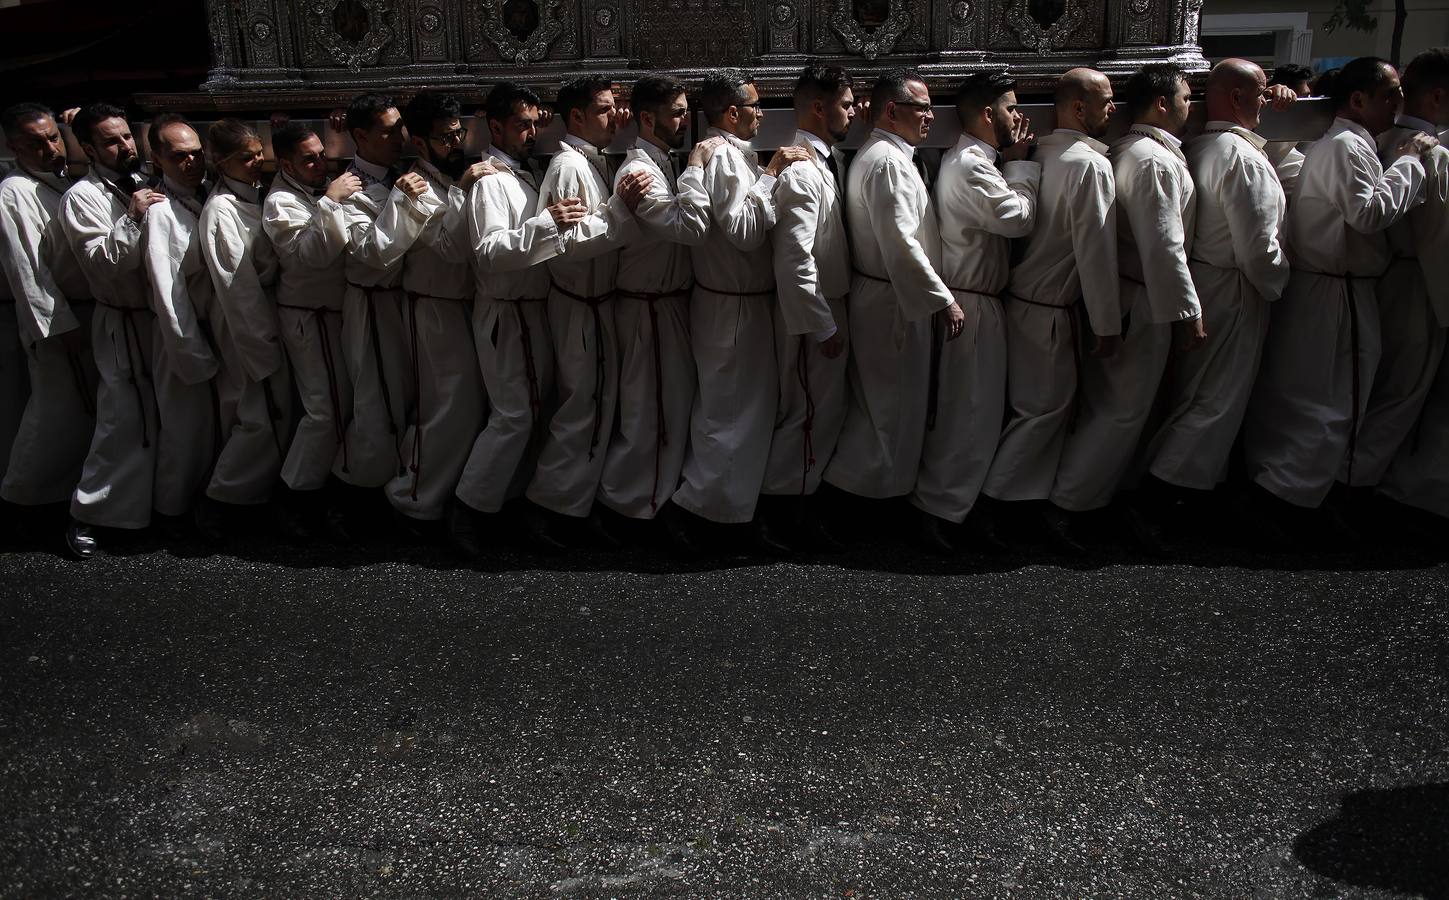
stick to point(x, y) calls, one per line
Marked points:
point(454, 138)
point(914, 104)
point(755, 105)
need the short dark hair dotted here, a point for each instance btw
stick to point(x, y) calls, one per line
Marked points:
point(722, 89)
point(891, 85)
point(91, 115)
point(288, 138)
point(504, 96)
point(1147, 84)
point(653, 92)
point(820, 82)
point(366, 109)
point(160, 124)
point(1426, 72)
point(579, 93)
point(982, 89)
point(428, 107)
point(1290, 74)
point(21, 113)
point(1322, 86)
point(1362, 74)
point(227, 136)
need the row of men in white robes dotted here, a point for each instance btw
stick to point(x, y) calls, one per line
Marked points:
point(680, 345)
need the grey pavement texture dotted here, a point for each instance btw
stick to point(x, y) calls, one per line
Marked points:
point(379, 721)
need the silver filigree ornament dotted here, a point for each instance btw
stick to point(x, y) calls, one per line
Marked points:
point(535, 46)
point(1039, 38)
point(354, 54)
point(870, 44)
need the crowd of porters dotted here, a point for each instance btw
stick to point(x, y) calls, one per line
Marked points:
point(1040, 328)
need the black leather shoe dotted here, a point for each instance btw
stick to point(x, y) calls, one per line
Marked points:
point(80, 540)
point(289, 520)
point(980, 531)
point(211, 522)
point(419, 531)
point(1145, 533)
point(538, 530)
point(931, 533)
point(815, 535)
point(462, 532)
point(173, 529)
point(600, 532)
point(677, 526)
point(1057, 527)
point(769, 540)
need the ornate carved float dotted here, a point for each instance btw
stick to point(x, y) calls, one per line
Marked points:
point(313, 52)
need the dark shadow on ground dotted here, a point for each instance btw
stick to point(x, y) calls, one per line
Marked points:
point(1395, 839)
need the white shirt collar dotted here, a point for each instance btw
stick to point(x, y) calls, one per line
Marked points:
point(580, 144)
point(247, 192)
point(432, 172)
point(1407, 121)
point(1352, 126)
point(1166, 137)
point(970, 140)
point(507, 160)
point(378, 173)
point(1252, 137)
point(822, 152)
point(737, 142)
point(299, 187)
point(661, 159)
point(896, 139)
point(1082, 137)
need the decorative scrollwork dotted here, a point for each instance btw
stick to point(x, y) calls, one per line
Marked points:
point(533, 45)
point(874, 42)
point(1061, 18)
point(353, 32)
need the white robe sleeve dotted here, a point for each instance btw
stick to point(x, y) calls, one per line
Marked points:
point(608, 227)
point(742, 204)
point(1369, 203)
point(498, 246)
point(798, 196)
point(894, 189)
point(1155, 217)
point(103, 247)
point(41, 306)
point(251, 314)
point(682, 217)
point(379, 243)
point(303, 236)
point(1250, 203)
point(167, 241)
point(1004, 205)
point(1094, 245)
point(447, 233)
point(1431, 229)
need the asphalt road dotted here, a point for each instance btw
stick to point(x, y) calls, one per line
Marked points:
point(376, 720)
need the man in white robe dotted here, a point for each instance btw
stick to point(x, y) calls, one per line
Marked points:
point(305, 221)
point(1419, 289)
point(981, 208)
point(53, 310)
point(1239, 268)
point(581, 312)
point(1323, 342)
point(1065, 282)
point(1413, 294)
point(14, 384)
point(101, 216)
point(510, 242)
point(651, 307)
point(383, 221)
point(438, 285)
point(812, 284)
point(894, 292)
point(182, 295)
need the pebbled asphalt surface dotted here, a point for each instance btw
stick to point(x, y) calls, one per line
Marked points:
point(376, 720)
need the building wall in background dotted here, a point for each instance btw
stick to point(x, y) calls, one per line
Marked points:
point(1279, 31)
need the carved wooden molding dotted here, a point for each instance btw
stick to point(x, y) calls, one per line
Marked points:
point(870, 44)
point(354, 54)
point(530, 49)
point(1052, 36)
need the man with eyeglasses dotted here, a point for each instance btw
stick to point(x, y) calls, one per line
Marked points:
point(438, 286)
point(53, 309)
point(102, 216)
point(731, 322)
point(896, 295)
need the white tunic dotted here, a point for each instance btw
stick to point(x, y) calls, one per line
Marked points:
point(581, 319)
point(382, 224)
point(894, 292)
point(49, 290)
point(510, 243)
point(1323, 343)
point(254, 385)
point(1238, 266)
point(812, 283)
point(14, 386)
point(309, 233)
point(981, 208)
point(1070, 258)
point(1413, 315)
point(732, 331)
point(187, 400)
point(651, 312)
point(116, 484)
point(450, 405)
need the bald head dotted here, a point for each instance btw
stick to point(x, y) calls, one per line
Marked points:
point(1084, 101)
point(1235, 92)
